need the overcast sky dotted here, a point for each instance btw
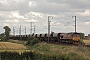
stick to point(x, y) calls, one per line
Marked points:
point(14, 13)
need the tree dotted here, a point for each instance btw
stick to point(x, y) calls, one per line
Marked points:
point(2, 37)
point(7, 32)
point(2, 34)
point(82, 35)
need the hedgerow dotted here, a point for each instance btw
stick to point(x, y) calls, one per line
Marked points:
point(38, 56)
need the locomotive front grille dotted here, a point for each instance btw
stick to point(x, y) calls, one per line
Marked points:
point(76, 38)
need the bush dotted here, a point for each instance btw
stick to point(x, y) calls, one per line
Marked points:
point(32, 41)
point(38, 56)
point(10, 56)
point(73, 56)
point(3, 38)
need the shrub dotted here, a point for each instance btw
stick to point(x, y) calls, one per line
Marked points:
point(32, 41)
point(73, 56)
point(3, 38)
point(10, 56)
point(38, 56)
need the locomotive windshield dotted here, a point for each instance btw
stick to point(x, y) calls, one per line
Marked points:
point(76, 35)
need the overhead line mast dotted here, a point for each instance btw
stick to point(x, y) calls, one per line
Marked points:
point(75, 23)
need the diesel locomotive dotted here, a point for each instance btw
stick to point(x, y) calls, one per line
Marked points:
point(53, 37)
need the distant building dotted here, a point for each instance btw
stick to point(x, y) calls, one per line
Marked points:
point(88, 36)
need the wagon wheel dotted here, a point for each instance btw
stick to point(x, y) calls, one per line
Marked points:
point(76, 43)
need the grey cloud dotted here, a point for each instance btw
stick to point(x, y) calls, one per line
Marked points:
point(51, 8)
point(62, 9)
point(22, 6)
point(46, 6)
point(73, 3)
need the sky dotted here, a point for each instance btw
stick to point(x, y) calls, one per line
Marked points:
point(14, 13)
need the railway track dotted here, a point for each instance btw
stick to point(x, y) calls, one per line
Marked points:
point(87, 46)
point(64, 44)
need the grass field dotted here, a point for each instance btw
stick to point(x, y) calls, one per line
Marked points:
point(86, 42)
point(11, 46)
point(46, 48)
point(58, 49)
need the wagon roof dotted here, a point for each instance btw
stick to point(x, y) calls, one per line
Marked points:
point(38, 35)
point(55, 34)
point(42, 35)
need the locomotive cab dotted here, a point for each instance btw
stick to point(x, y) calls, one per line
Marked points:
point(76, 37)
point(70, 37)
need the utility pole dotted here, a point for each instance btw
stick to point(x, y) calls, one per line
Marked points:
point(75, 23)
point(20, 30)
point(34, 29)
point(49, 27)
point(13, 31)
point(31, 28)
point(25, 30)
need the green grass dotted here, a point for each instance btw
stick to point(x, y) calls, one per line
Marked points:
point(46, 48)
point(17, 41)
point(58, 49)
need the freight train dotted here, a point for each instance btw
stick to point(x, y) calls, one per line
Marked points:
point(53, 37)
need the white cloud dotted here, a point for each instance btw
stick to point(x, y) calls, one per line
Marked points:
point(3, 2)
point(12, 21)
point(32, 20)
point(32, 4)
point(85, 13)
point(15, 14)
point(21, 12)
point(87, 23)
point(11, 15)
point(36, 14)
